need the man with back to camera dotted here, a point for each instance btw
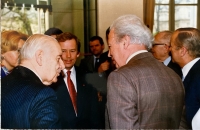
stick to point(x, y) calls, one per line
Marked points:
point(161, 50)
point(185, 49)
point(78, 102)
point(26, 101)
point(142, 92)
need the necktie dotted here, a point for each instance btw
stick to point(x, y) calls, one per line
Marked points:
point(96, 64)
point(72, 90)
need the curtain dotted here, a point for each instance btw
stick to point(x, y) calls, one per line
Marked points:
point(148, 6)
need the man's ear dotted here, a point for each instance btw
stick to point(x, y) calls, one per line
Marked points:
point(183, 51)
point(39, 56)
point(126, 41)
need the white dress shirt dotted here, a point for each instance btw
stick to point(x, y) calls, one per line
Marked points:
point(196, 121)
point(72, 76)
point(187, 67)
point(166, 62)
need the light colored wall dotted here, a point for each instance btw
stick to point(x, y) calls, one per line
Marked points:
point(109, 10)
point(68, 16)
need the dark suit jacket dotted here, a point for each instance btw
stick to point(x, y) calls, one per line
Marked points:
point(88, 114)
point(192, 92)
point(144, 94)
point(26, 103)
point(176, 68)
point(87, 64)
point(99, 82)
point(3, 74)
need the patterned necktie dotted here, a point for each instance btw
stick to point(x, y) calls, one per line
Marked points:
point(72, 90)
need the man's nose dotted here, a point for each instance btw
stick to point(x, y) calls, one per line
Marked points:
point(68, 54)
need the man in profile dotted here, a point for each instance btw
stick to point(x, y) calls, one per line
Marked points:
point(142, 92)
point(185, 49)
point(26, 100)
point(161, 51)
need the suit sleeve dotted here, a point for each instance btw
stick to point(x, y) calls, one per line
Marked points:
point(44, 113)
point(121, 102)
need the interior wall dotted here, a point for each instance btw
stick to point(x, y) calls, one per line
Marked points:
point(68, 16)
point(109, 10)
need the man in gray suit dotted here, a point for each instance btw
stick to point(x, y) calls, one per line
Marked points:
point(142, 92)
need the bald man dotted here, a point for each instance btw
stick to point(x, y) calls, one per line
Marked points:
point(161, 50)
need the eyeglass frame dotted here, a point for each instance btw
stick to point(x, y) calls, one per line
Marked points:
point(160, 44)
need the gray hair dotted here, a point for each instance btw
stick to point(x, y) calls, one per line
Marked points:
point(34, 43)
point(132, 26)
point(190, 38)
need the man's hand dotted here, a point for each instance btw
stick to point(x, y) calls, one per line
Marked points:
point(104, 66)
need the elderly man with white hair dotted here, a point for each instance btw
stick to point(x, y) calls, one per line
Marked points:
point(26, 100)
point(142, 93)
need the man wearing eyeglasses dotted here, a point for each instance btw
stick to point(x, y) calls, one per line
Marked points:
point(161, 50)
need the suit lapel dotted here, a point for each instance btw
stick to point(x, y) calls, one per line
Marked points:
point(80, 93)
point(191, 72)
point(64, 97)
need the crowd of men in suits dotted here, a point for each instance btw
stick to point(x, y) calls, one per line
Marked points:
point(154, 83)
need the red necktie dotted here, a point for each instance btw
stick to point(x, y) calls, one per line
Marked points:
point(72, 90)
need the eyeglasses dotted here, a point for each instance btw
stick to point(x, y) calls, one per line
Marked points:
point(156, 44)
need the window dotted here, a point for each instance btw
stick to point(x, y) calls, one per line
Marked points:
point(27, 18)
point(174, 14)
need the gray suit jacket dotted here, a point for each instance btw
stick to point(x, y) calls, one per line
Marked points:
point(144, 94)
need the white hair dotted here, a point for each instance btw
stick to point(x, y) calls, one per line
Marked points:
point(34, 43)
point(132, 26)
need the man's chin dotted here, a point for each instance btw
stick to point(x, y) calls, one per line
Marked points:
point(47, 83)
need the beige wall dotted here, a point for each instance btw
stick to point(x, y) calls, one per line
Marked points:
point(109, 10)
point(68, 15)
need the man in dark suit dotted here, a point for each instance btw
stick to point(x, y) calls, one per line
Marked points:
point(26, 101)
point(97, 68)
point(161, 50)
point(92, 63)
point(185, 49)
point(142, 92)
point(78, 110)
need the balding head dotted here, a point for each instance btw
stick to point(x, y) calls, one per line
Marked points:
point(161, 45)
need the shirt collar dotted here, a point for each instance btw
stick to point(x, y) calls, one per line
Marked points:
point(134, 54)
point(5, 70)
point(73, 72)
point(187, 67)
point(166, 62)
